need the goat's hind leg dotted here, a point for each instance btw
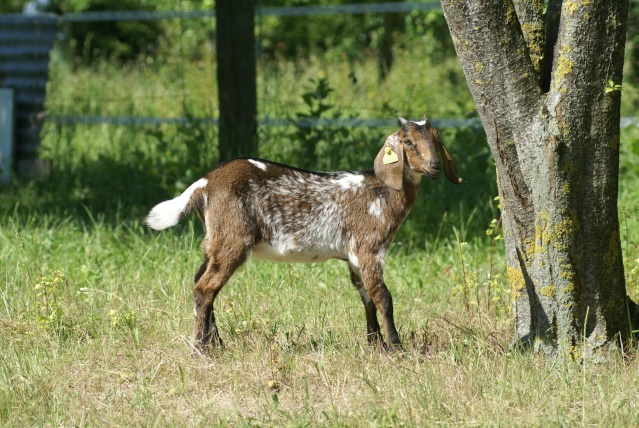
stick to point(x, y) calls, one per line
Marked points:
point(201, 270)
point(205, 329)
point(209, 280)
point(373, 331)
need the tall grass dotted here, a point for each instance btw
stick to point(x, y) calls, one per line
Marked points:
point(95, 310)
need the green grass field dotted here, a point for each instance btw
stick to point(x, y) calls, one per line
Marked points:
point(96, 310)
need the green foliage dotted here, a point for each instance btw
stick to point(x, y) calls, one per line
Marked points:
point(349, 36)
point(629, 207)
point(612, 86)
point(339, 36)
point(48, 302)
point(111, 40)
point(12, 6)
point(632, 44)
point(294, 37)
point(309, 137)
point(199, 140)
point(429, 28)
point(324, 147)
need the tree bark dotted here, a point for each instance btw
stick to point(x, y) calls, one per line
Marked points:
point(540, 80)
point(236, 71)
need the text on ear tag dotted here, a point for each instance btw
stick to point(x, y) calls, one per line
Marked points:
point(390, 156)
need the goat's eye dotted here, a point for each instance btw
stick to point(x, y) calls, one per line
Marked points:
point(409, 143)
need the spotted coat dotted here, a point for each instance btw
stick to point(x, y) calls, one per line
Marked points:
point(254, 207)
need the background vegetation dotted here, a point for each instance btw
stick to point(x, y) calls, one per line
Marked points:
point(95, 313)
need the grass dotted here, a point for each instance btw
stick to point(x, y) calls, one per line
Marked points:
point(96, 310)
point(117, 352)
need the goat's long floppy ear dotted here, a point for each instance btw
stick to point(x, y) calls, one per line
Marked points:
point(389, 163)
point(450, 169)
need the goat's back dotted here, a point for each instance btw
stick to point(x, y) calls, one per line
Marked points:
point(294, 214)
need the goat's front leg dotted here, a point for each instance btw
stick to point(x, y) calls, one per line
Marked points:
point(372, 276)
point(373, 332)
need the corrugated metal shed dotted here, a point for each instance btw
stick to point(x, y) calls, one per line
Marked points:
point(25, 43)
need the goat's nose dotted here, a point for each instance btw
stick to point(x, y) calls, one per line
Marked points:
point(434, 163)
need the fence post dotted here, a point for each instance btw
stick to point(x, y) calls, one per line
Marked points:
point(236, 72)
point(7, 133)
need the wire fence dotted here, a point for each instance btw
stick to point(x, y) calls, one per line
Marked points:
point(473, 123)
point(285, 11)
point(342, 9)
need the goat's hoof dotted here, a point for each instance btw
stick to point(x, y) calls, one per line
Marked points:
point(210, 344)
point(375, 339)
point(392, 348)
point(201, 348)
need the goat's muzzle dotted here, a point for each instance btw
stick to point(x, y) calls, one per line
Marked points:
point(431, 170)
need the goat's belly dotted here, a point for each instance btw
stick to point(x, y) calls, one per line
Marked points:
point(293, 254)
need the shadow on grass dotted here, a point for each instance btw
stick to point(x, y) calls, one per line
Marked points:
point(110, 191)
point(115, 192)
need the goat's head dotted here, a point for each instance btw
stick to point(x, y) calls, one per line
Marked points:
point(417, 144)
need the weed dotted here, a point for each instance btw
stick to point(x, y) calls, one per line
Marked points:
point(49, 313)
point(492, 281)
point(466, 282)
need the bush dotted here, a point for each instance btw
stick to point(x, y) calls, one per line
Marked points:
point(112, 40)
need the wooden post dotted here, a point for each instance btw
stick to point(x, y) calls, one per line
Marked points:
point(235, 47)
point(7, 134)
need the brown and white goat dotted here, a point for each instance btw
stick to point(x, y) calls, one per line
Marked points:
point(253, 207)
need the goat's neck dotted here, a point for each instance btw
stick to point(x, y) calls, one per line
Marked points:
point(412, 177)
point(408, 194)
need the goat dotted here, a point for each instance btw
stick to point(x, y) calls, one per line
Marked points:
point(254, 207)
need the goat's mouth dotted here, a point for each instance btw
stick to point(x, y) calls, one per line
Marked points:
point(431, 172)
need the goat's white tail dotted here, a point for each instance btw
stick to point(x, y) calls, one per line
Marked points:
point(169, 213)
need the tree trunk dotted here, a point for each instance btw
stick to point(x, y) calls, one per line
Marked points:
point(541, 82)
point(235, 48)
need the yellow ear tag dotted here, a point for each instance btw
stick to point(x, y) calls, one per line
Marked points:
point(390, 156)
point(447, 154)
